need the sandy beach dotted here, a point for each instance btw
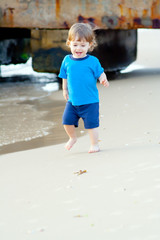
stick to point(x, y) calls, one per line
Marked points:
point(51, 193)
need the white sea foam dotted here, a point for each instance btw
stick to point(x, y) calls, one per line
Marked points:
point(25, 69)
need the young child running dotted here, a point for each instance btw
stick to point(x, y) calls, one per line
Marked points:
point(80, 72)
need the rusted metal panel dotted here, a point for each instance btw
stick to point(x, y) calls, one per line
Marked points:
point(61, 14)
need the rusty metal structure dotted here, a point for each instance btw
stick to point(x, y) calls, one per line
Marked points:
point(61, 14)
point(115, 23)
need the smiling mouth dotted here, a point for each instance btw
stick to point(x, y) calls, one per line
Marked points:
point(78, 53)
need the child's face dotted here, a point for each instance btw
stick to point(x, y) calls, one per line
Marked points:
point(78, 48)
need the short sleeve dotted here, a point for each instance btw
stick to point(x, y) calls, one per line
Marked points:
point(98, 70)
point(62, 73)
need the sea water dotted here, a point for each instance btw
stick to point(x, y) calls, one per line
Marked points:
point(25, 104)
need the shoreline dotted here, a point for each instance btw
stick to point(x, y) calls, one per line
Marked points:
point(55, 105)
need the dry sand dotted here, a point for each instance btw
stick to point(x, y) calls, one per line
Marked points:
point(118, 196)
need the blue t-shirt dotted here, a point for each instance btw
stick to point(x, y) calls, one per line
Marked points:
point(81, 75)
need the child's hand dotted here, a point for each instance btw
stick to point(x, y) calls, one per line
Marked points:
point(103, 80)
point(65, 94)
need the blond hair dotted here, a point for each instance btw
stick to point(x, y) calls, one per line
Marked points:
point(82, 31)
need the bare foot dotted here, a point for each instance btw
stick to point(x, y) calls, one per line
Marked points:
point(70, 143)
point(94, 148)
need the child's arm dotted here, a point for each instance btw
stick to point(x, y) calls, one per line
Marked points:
point(65, 89)
point(103, 80)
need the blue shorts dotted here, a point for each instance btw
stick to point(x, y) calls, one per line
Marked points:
point(88, 112)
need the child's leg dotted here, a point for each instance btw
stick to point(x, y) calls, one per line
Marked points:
point(93, 133)
point(70, 130)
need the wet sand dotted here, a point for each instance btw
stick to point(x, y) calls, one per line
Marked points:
point(30, 117)
point(116, 195)
point(30, 120)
